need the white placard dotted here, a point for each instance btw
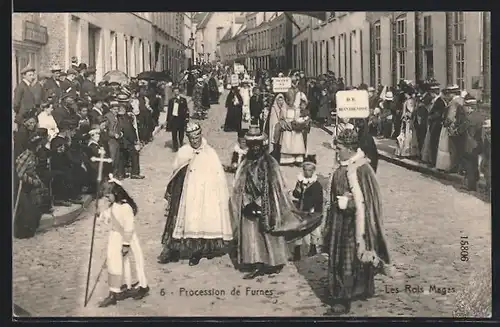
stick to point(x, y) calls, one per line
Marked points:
point(352, 104)
point(281, 84)
point(239, 69)
point(235, 80)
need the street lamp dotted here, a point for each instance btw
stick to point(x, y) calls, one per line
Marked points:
point(191, 45)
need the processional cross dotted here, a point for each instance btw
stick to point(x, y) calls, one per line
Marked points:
point(101, 159)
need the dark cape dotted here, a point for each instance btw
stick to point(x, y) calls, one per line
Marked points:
point(348, 277)
point(213, 91)
point(259, 186)
point(234, 113)
point(207, 248)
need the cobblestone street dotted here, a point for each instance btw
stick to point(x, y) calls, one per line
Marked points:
point(424, 220)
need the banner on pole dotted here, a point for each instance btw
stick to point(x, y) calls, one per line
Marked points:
point(352, 104)
point(239, 69)
point(281, 84)
point(235, 80)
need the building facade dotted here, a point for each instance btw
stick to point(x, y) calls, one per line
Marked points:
point(259, 40)
point(385, 47)
point(130, 42)
point(280, 28)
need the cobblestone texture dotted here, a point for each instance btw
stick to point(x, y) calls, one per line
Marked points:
point(424, 220)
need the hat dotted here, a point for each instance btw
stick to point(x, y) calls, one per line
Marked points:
point(371, 89)
point(434, 86)
point(44, 75)
point(74, 60)
point(347, 137)
point(82, 66)
point(63, 73)
point(192, 128)
point(98, 97)
point(56, 68)
point(68, 97)
point(200, 79)
point(71, 71)
point(309, 160)
point(114, 104)
point(470, 100)
point(27, 69)
point(254, 134)
point(451, 88)
point(389, 96)
point(122, 97)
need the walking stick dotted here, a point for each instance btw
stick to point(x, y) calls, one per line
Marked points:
point(17, 201)
point(101, 160)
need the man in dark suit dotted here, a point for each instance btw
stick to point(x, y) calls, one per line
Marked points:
point(53, 84)
point(177, 117)
point(70, 85)
point(24, 100)
point(256, 108)
point(114, 137)
point(97, 109)
point(38, 88)
point(89, 89)
point(82, 69)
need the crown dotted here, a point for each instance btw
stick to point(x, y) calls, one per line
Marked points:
point(193, 127)
point(347, 137)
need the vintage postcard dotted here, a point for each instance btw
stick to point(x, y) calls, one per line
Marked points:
point(251, 164)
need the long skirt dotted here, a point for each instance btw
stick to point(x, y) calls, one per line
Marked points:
point(407, 141)
point(256, 247)
point(27, 217)
point(443, 159)
point(293, 147)
point(208, 248)
point(426, 149)
point(233, 119)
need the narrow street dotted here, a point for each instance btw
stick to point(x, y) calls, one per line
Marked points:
point(424, 221)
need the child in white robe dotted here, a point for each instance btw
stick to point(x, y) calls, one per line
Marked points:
point(122, 240)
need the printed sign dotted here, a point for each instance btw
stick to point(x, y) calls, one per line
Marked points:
point(281, 84)
point(239, 69)
point(235, 80)
point(352, 104)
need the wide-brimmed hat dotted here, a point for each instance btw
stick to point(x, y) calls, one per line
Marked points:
point(453, 88)
point(470, 100)
point(122, 97)
point(389, 96)
point(56, 68)
point(255, 134)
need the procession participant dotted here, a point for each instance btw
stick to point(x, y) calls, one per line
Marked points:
point(92, 150)
point(471, 129)
point(122, 240)
point(145, 117)
point(291, 95)
point(53, 85)
point(234, 114)
point(205, 95)
point(309, 194)
point(256, 108)
point(262, 211)
point(46, 120)
point(29, 190)
point(354, 238)
point(129, 143)
point(198, 223)
point(239, 153)
point(177, 118)
point(367, 143)
point(213, 90)
point(199, 113)
point(246, 94)
point(24, 100)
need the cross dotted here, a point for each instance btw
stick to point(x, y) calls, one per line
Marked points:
point(101, 159)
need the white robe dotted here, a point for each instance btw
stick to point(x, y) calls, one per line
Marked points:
point(203, 210)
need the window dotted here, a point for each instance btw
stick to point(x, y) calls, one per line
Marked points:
point(112, 52)
point(378, 53)
point(401, 62)
point(427, 31)
point(333, 51)
point(315, 58)
point(133, 70)
point(401, 33)
point(141, 56)
point(74, 32)
point(295, 55)
point(320, 57)
point(459, 72)
point(376, 38)
point(378, 69)
point(327, 55)
point(218, 36)
point(126, 55)
point(429, 63)
point(458, 26)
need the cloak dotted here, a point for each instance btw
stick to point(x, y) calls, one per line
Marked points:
point(279, 216)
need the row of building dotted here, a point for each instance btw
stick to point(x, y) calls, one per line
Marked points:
point(130, 42)
point(371, 47)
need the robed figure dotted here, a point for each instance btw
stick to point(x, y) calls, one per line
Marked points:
point(263, 214)
point(198, 223)
point(354, 236)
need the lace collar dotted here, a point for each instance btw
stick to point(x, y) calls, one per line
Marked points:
point(202, 145)
point(359, 155)
point(310, 180)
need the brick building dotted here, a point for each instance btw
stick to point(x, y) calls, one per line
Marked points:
point(259, 37)
point(384, 47)
point(130, 42)
point(281, 42)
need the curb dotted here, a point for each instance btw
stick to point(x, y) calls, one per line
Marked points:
point(70, 214)
point(418, 167)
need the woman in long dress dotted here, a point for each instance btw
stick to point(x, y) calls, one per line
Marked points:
point(234, 105)
point(443, 159)
point(407, 140)
point(289, 142)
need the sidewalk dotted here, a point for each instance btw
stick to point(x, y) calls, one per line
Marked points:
point(66, 215)
point(386, 148)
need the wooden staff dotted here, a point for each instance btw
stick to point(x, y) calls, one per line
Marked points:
point(101, 160)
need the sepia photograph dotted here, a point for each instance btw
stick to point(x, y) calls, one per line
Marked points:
point(251, 164)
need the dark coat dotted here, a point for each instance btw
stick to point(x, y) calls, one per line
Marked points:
point(69, 87)
point(88, 89)
point(53, 87)
point(39, 93)
point(129, 138)
point(24, 100)
point(94, 115)
point(256, 106)
point(205, 96)
point(310, 197)
point(182, 112)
